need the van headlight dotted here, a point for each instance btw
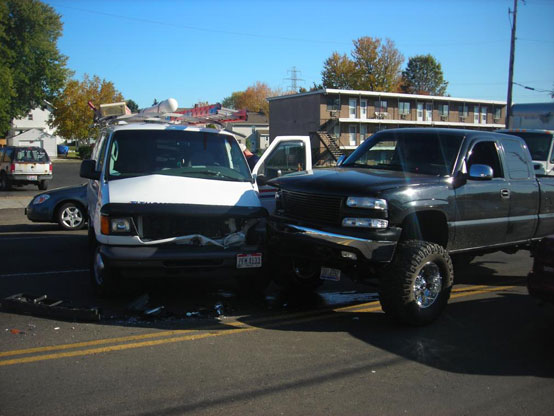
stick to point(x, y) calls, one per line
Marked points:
point(115, 225)
point(366, 202)
point(365, 223)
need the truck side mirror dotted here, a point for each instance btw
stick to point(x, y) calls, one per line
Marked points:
point(88, 170)
point(481, 172)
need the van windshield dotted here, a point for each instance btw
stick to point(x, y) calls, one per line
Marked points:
point(175, 153)
point(537, 142)
point(425, 153)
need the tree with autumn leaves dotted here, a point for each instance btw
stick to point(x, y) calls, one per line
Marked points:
point(72, 116)
point(254, 98)
point(375, 65)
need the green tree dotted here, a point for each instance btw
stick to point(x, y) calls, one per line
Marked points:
point(423, 75)
point(133, 106)
point(339, 72)
point(32, 69)
point(72, 115)
point(375, 66)
point(378, 64)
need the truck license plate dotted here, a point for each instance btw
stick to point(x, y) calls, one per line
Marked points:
point(31, 177)
point(249, 261)
point(330, 274)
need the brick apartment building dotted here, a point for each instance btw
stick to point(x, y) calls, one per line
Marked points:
point(339, 120)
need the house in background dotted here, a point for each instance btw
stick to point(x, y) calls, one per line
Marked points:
point(339, 120)
point(36, 138)
point(33, 130)
point(255, 129)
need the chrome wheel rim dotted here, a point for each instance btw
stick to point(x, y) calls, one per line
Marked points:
point(427, 285)
point(72, 217)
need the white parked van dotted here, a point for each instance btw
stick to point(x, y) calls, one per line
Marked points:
point(178, 200)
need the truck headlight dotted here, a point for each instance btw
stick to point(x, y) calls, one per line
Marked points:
point(364, 223)
point(365, 202)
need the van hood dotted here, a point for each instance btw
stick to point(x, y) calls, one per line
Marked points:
point(162, 189)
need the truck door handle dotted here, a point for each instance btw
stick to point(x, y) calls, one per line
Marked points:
point(505, 193)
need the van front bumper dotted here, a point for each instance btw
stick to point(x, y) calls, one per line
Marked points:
point(178, 261)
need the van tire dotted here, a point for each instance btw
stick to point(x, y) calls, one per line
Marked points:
point(104, 279)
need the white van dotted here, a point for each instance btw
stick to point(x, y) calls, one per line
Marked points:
point(179, 200)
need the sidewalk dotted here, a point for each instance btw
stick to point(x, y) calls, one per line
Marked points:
point(14, 201)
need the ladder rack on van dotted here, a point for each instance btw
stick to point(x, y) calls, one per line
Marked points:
point(164, 112)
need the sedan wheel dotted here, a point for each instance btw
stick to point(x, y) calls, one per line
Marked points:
point(70, 217)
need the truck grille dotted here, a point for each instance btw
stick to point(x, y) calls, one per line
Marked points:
point(314, 208)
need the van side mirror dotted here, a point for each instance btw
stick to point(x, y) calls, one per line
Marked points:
point(261, 180)
point(481, 172)
point(88, 170)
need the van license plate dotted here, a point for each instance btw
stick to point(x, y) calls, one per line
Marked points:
point(31, 177)
point(249, 261)
point(330, 274)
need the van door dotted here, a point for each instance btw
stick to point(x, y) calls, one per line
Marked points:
point(286, 154)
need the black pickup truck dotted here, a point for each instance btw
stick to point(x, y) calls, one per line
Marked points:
point(405, 205)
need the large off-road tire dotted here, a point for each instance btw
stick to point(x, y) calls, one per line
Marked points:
point(104, 279)
point(296, 274)
point(70, 216)
point(43, 185)
point(416, 286)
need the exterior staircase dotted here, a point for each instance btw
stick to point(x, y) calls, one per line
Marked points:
point(331, 144)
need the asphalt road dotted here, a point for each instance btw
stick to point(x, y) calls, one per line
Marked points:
point(216, 350)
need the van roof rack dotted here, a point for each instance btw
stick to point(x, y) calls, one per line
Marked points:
point(164, 112)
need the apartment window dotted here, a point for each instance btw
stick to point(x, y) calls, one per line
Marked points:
point(443, 110)
point(381, 106)
point(497, 113)
point(352, 103)
point(333, 104)
point(336, 131)
point(404, 108)
point(483, 115)
point(30, 116)
point(463, 110)
point(363, 132)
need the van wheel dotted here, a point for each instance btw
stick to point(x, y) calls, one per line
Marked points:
point(104, 279)
point(296, 274)
point(414, 289)
point(43, 185)
point(5, 183)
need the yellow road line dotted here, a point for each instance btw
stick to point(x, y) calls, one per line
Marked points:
point(167, 336)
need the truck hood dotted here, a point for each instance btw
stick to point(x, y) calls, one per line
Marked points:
point(343, 181)
point(162, 189)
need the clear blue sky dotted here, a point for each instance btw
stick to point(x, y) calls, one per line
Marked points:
point(204, 50)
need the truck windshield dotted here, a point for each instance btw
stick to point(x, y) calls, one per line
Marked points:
point(538, 143)
point(193, 154)
point(425, 153)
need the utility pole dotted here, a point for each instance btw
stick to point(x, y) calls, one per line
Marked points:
point(511, 68)
point(294, 78)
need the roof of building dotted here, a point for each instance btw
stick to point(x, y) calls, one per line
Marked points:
point(33, 134)
point(378, 94)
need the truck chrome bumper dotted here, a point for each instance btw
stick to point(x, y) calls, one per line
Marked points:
point(297, 239)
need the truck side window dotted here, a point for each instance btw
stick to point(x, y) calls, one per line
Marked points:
point(486, 153)
point(518, 166)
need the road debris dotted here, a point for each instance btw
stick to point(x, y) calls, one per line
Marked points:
point(43, 306)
